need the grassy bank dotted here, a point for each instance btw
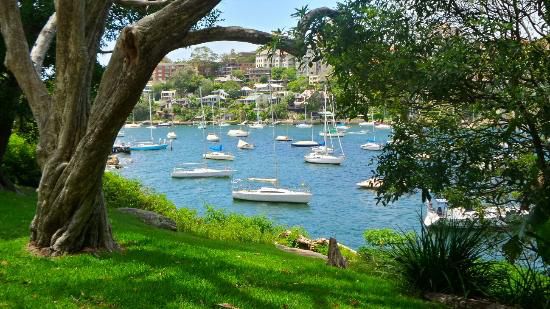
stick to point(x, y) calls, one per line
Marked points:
point(167, 269)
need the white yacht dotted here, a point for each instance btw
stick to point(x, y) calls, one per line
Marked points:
point(244, 145)
point(272, 195)
point(237, 133)
point(373, 146)
point(212, 137)
point(218, 155)
point(171, 135)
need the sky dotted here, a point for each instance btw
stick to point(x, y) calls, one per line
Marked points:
point(264, 15)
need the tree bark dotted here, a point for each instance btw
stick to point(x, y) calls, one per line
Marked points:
point(335, 258)
point(75, 135)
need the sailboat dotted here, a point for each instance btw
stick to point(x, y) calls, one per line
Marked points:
point(323, 156)
point(211, 137)
point(149, 145)
point(257, 124)
point(304, 125)
point(273, 193)
point(310, 143)
point(217, 153)
point(132, 125)
point(371, 144)
point(330, 132)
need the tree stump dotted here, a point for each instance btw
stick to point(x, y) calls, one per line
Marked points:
point(335, 258)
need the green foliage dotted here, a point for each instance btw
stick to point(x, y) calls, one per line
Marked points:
point(19, 163)
point(163, 269)
point(525, 286)
point(216, 224)
point(384, 238)
point(447, 258)
point(298, 85)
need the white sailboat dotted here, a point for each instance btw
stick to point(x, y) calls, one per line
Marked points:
point(257, 124)
point(372, 145)
point(324, 157)
point(212, 136)
point(304, 125)
point(310, 143)
point(273, 193)
point(132, 125)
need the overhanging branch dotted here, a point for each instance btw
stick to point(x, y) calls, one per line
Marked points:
point(142, 3)
point(238, 34)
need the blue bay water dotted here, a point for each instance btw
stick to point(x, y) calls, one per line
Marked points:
point(338, 208)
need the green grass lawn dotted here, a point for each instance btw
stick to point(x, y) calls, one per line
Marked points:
point(176, 270)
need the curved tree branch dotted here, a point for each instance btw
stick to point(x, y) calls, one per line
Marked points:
point(142, 3)
point(314, 14)
point(18, 61)
point(237, 34)
point(43, 42)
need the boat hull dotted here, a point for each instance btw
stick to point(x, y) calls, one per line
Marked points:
point(237, 133)
point(323, 159)
point(218, 156)
point(149, 147)
point(201, 173)
point(305, 144)
point(275, 196)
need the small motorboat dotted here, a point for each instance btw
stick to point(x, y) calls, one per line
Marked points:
point(171, 135)
point(366, 123)
point(132, 125)
point(333, 133)
point(382, 126)
point(237, 133)
point(164, 124)
point(323, 158)
point(371, 183)
point(218, 155)
point(304, 126)
point(224, 124)
point(283, 138)
point(201, 172)
point(305, 144)
point(372, 146)
point(244, 145)
point(212, 137)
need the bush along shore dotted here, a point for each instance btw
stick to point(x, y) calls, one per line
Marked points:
point(450, 260)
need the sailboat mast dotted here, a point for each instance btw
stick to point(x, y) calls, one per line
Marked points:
point(150, 117)
point(325, 123)
point(273, 134)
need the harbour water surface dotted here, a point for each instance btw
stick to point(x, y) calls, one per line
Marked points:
point(338, 208)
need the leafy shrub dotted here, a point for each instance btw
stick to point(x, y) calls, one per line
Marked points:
point(19, 162)
point(448, 259)
point(216, 224)
point(379, 243)
point(524, 285)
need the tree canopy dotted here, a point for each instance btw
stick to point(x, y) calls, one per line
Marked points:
point(469, 83)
